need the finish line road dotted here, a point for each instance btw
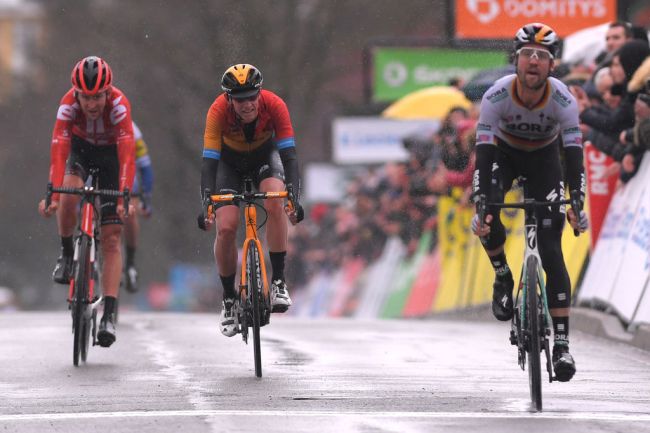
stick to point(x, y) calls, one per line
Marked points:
point(176, 372)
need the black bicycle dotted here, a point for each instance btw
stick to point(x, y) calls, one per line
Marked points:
point(254, 304)
point(82, 297)
point(531, 322)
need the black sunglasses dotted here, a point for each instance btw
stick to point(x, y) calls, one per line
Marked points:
point(247, 98)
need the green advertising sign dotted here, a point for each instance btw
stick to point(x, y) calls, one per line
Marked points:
point(399, 71)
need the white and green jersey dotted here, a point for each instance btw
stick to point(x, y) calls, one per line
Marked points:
point(504, 116)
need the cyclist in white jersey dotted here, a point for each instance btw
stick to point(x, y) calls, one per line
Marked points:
point(525, 118)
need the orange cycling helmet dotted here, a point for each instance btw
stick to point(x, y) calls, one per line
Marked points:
point(242, 81)
point(539, 34)
point(91, 76)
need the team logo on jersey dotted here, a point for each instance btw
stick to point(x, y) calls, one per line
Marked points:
point(530, 127)
point(483, 127)
point(118, 113)
point(66, 112)
point(561, 99)
point(498, 95)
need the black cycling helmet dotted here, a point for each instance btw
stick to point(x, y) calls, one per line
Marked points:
point(538, 34)
point(241, 81)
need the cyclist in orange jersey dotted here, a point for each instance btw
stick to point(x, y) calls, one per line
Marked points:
point(93, 129)
point(248, 132)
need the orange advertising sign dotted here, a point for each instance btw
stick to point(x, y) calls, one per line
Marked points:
point(500, 19)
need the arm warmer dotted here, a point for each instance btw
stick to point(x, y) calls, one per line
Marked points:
point(209, 175)
point(482, 182)
point(575, 170)
point(291, 172)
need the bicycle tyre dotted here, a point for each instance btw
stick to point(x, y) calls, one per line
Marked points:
point(534, 341)
point(255, 292)
point(81, 280)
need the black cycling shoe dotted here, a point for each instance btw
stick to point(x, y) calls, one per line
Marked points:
point(63, 270)
point(502, 299)
point(106, 334)
point(563, 363)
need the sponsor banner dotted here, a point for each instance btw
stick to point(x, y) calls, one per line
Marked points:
point(372, 140)
point(635, 264)
point(500, 19)
point(424, 290)
point(450, 257)
point(346, 286)
point(379, 278)
point(600, 284)
point(400, 71)
point(600, 190)
point(404, 280)
point(310, 303)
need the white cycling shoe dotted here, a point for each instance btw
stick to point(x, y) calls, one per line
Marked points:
point(280, 300)
point(229, 325)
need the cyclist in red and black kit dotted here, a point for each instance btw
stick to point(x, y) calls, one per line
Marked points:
point(93, 129)
point(248, 132)
point(525, 119)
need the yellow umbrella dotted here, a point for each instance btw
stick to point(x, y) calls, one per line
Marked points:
point(429, 103)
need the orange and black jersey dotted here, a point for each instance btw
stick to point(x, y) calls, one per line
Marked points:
point(223, 128)
point(229, 140)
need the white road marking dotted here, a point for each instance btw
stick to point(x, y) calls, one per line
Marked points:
point(575, 416)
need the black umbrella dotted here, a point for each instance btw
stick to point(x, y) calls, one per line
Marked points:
point(478, 85)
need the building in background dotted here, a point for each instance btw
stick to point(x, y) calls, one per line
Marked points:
point(21, 29)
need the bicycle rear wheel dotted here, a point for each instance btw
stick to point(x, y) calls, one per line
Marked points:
point(79, 300)
point(254, 279)
point(534, 338)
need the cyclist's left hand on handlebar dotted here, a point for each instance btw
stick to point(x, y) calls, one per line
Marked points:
point(483, 230)
point(296, 214)
point(581, 224)
point(121, 212)
point(203, 222)
point(47, 212)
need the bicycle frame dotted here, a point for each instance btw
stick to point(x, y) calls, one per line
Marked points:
point(81, 294)
point(526, 332)
point(253, 310)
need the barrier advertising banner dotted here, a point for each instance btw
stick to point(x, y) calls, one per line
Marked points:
point(600, 189)
point(500, 19)
point(604, 281)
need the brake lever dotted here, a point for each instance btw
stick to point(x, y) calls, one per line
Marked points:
point(575, 205)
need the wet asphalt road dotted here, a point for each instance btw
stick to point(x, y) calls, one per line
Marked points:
point(175, 372)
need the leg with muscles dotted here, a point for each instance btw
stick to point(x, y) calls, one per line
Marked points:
point(493, 243)
point(67, 220)
point(558, 290)
point(111, 275)
point(276, 236)
point(225, 253)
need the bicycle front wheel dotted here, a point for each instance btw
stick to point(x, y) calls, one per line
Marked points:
point(79, 301)
point(533, 320)
point(255, 283)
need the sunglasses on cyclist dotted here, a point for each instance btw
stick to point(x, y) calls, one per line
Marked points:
point(537, 53)
point(251, 98)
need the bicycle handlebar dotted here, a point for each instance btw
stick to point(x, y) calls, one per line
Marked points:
point(574, 201)
point(87, 191)
point(246, 197)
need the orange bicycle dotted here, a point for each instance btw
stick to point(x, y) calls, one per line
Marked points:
point(254, 304)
